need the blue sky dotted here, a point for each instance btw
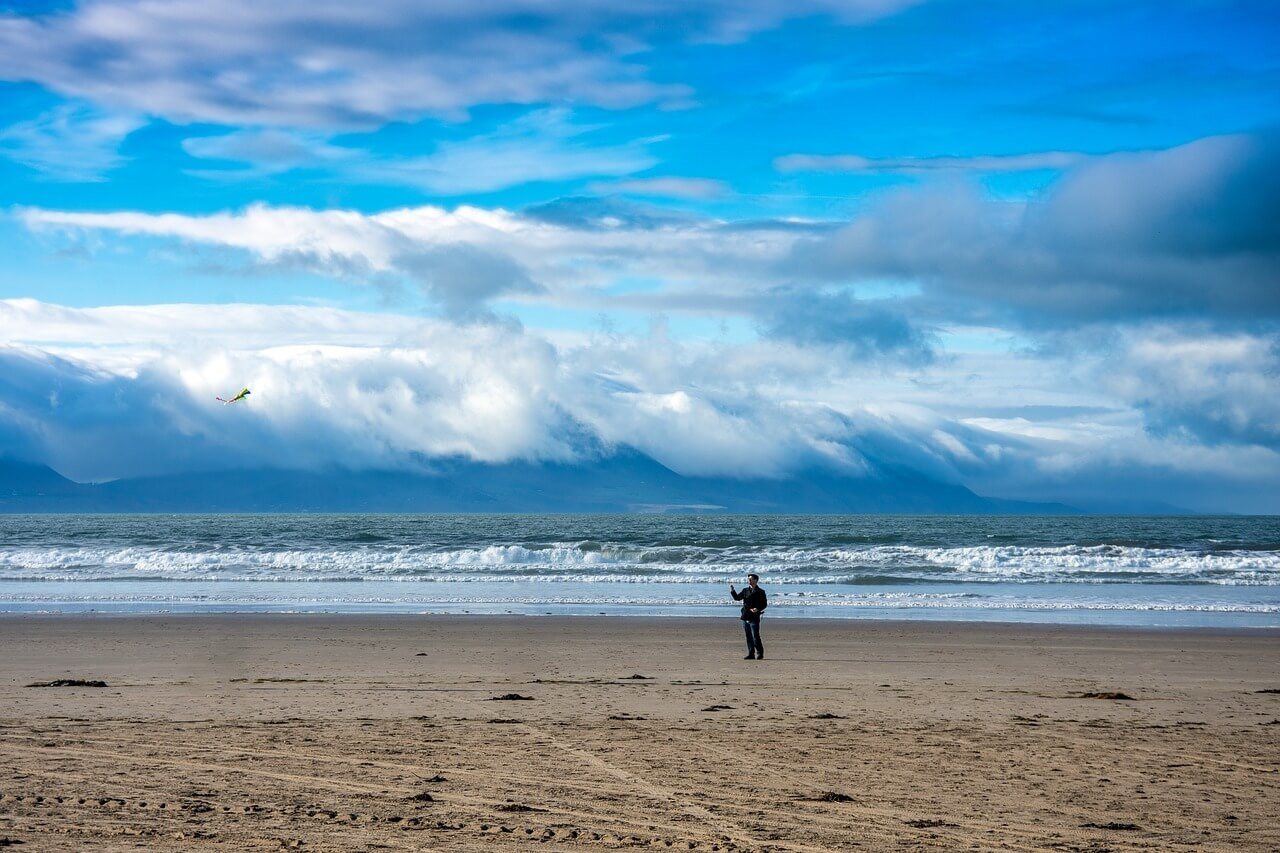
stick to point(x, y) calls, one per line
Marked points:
point(1031, 247)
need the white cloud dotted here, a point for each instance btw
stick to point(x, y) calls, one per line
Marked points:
point(232, 326)
point(553, 248)
point(72, 142)
point(1056, 160)
point(327, 63)
point(1211, 387)
point(267, 152)
point(691, 188)
point(541, 146)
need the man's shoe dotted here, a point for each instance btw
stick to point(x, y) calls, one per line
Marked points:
point(761, 657)
point(750, 657)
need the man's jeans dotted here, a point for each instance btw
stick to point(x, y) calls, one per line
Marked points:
point(754, 646)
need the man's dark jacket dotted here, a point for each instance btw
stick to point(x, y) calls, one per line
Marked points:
point(751, 598)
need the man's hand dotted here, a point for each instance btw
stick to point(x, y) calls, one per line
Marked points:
point(754, 610)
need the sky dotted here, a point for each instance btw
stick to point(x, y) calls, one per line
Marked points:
point(1033, 248)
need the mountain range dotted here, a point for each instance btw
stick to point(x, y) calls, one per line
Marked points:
point(624, 482)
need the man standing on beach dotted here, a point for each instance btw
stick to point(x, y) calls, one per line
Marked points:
point(754, 601)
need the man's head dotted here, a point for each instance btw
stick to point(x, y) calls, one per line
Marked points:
point(753, 580)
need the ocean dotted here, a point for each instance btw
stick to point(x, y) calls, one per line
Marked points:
point(1185, 571)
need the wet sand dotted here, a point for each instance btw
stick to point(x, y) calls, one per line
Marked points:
point(344, 733)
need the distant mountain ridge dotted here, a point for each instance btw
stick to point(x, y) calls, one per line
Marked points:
point(625, 482)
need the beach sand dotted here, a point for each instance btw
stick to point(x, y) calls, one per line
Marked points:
point(382, 732)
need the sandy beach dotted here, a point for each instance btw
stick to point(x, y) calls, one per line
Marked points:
point(368, 732)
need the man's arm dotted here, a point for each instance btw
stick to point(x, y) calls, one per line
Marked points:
point(737, 596)
point(763, 601)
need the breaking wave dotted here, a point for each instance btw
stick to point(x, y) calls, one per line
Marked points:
point(593, 561)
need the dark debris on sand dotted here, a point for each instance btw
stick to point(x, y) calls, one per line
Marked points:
point(834, 797)
point(927, 823)
point(424, 797)
point(718, 708)
point(625, 717)
point(1113, 825)
point(825, 716)
point(639, 677)
point(68, 682)
point(10, 842)
point(1268, 690)
point(1108, 694)
point(510, 697)
point(516, 807)
point(505, 721)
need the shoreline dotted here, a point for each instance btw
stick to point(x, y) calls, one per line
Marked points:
point(796, 622)
point(1085, 618)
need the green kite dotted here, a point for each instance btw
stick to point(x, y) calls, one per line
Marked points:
point(244, 392)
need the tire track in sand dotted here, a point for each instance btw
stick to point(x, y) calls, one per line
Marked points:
point(451, 798)
point(893, 818)
point(727, 829)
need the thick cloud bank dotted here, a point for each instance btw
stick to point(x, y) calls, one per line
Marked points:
point(485, 392)
point(399, 393)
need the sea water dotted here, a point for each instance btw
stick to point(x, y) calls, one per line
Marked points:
point(1104, 570)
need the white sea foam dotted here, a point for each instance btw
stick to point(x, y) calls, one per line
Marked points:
point(881, 600)
point(1037, 562)
point(596, 563)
